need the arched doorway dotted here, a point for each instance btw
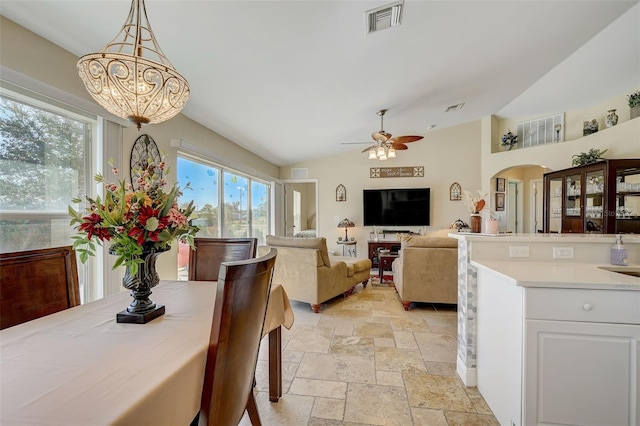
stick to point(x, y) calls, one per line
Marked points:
point(522, 195)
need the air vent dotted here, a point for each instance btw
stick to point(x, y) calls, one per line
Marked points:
point(454, 107)
point(299, 173)
point(384, 17)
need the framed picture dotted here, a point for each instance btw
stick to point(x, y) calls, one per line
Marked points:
point(499, 202)
point(500, 183)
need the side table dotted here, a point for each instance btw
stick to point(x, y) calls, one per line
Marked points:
point(385, 264)
point(348, 248)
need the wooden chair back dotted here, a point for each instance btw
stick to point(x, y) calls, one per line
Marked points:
point(238, 317)
point(205, 260)
point(36, 283)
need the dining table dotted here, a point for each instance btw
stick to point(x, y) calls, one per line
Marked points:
point(80, 367)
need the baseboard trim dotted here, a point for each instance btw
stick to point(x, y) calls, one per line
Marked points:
point(468, 375)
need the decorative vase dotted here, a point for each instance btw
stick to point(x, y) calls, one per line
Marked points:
point(612, 118)
point(635, 111)
point(590, 127)
point(142, 309)
point(475, 222)
point(491, 226)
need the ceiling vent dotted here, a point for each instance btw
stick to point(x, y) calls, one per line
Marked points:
point(454, 107)
point(384, 17)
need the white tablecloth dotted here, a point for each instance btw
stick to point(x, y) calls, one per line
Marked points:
point(80, 367)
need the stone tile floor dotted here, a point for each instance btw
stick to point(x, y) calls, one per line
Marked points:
point(363, 360)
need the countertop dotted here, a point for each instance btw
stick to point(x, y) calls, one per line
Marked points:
point(563, 275)
point(561, 238)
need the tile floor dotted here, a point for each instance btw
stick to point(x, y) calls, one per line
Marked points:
point(363, 360)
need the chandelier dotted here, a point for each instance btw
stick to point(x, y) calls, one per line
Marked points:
point(131, 77)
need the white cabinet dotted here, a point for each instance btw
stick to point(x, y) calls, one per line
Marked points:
point(554, 356)
point(581, 363)
point(580, 373)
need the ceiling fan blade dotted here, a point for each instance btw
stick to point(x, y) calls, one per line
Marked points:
point(381, 136)
point(406, 139)
point(399, 146)
point(368, 148)
point(355, 143)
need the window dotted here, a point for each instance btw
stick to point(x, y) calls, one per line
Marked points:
point(44, 164)
point(246, 203)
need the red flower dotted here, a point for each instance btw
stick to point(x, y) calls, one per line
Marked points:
point(92, 225)
point(149, 225)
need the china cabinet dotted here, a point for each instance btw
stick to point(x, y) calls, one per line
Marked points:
point(602, 197)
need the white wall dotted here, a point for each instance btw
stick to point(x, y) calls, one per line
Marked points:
point(447, 155)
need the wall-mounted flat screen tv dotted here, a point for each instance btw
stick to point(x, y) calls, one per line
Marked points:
point(396, 207)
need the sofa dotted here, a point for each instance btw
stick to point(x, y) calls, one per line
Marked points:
point(426, 269)
point(309, 274)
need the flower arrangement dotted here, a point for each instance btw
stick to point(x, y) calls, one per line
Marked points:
point(634, 99)
point(133, 218)
point(509, 139)
point(589, 157)
point(474, 203)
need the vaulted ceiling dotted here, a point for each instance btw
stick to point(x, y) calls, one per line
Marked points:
point(296, 80)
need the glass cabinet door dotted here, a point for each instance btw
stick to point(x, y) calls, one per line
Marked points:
point(572, 206)
point(628, 200)
point(555, 205)
point(594, 201)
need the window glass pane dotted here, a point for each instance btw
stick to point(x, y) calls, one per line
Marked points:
point(42, 163)
point(247, 206)
point(43, 166)
point(259, 211)
point(236, 218)
point(203, 190)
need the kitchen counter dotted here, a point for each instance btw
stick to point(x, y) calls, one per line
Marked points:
point(563, 275)
point(557, 342)
point(540, 238)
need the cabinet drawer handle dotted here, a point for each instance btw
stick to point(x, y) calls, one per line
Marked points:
point(587, 306)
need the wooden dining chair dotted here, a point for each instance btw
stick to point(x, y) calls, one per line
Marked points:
point(238, 318)
point(36, 283)
point(209, 253)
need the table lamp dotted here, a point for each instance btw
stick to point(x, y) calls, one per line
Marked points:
point(346, 223)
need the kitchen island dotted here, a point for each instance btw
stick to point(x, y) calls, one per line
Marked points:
point(557, 342)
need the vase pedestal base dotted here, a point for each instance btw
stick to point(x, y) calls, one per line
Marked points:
point(135, 318)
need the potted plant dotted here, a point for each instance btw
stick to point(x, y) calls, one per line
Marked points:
point(509, 140)
point(592, 156)
point(634, 103)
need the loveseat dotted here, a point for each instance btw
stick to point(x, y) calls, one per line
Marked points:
point(426, 269)
point(309, 274)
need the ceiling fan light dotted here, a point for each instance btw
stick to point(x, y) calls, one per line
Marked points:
point(381, 152)
point(391, 153)
point(372, 154)
point(382, 157)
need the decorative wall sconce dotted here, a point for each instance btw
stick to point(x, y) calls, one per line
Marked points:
point(455, 192)
point(341, 193)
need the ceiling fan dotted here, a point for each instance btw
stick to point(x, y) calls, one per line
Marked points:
point(385, 146)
